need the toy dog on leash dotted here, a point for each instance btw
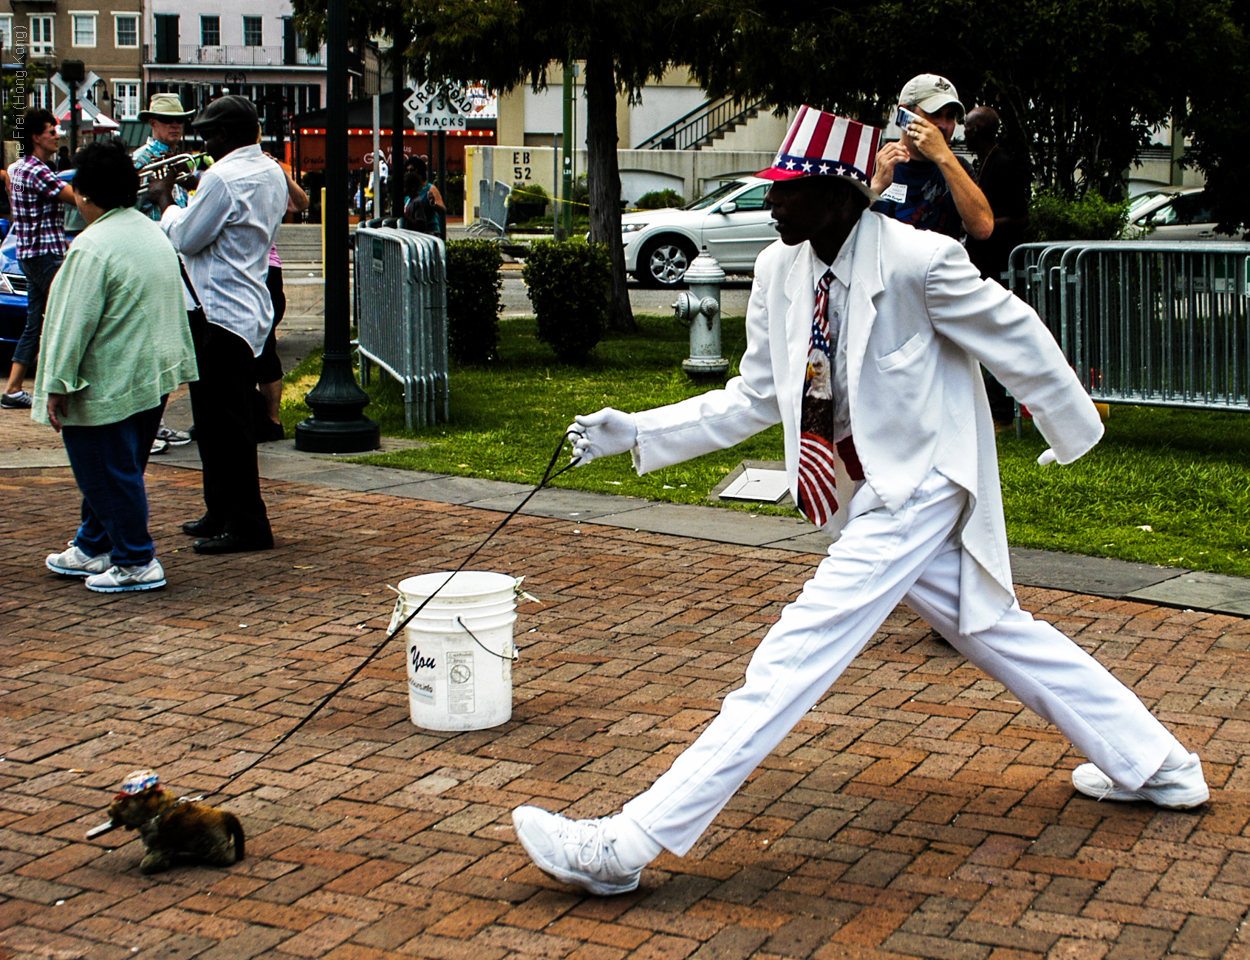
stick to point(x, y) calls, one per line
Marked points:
point(172, 828)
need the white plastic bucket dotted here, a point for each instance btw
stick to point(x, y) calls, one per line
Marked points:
point(457, 682)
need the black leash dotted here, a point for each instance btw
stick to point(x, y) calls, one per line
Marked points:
point(548, 476)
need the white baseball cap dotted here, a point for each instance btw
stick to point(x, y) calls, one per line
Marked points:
point(930, 93)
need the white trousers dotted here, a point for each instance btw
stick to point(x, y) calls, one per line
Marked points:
point(880, 560)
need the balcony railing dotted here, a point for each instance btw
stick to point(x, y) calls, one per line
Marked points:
point(229, 55)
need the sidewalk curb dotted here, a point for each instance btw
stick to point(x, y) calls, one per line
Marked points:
point(1095, 576)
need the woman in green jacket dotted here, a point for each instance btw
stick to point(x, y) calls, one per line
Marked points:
point(115, 344)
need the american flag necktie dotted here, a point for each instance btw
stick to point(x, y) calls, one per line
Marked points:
point(817, 485)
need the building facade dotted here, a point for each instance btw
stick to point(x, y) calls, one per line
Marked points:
point(108, 38)
point(245, 47)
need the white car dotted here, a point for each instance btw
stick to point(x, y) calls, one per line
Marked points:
point(1176, 213)
point(732, 222)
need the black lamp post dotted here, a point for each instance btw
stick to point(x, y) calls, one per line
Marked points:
point(338, 424)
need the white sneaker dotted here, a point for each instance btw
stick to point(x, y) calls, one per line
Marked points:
point(580, 852)
point(1178, 789)
point(159, 446)
point(75, 563)
point(150, 576)
point(175, 438)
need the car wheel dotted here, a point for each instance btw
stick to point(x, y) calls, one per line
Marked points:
point(663, 261)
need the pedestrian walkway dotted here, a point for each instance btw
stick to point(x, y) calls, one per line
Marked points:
point(919, 811)
point(1098, 576)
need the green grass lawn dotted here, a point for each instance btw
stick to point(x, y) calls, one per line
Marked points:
point(1183, 474)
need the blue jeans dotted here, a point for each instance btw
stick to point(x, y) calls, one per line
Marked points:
point(40, 272)
point(108, 463)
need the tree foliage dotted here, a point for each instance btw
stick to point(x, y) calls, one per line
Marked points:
point(1079, 85)
point(1218, 123)
point(623, 43)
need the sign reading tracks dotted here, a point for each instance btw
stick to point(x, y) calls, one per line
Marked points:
point(440, 106)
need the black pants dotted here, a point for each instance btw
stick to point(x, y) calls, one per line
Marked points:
point(1002, 406)
point(268, 365)
point(221, 402)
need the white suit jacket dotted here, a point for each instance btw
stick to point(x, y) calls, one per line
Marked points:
point(919, 318)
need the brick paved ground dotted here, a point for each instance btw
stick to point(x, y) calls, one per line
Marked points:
point(917, 812)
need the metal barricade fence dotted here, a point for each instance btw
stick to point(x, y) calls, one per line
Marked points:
point(1165, 324)
point(401, 316)
point(1033, 276)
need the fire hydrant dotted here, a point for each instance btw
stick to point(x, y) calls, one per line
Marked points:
point(700, 308)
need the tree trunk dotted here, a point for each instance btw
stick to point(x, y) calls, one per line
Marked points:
point(604, 178)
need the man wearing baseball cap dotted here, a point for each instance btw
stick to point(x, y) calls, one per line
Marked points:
point(224, 235)
point(919, 178)
point(863, 337)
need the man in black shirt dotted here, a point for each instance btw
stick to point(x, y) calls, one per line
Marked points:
point(1005, 182)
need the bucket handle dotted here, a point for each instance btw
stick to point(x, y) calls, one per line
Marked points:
point(501, 656)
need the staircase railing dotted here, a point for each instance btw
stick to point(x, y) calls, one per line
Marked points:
point(700, 125)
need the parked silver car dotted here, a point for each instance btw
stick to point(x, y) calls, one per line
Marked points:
point(1173, 213)
point(732, 222)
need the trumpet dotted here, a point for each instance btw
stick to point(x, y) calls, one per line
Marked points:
point(184, 163)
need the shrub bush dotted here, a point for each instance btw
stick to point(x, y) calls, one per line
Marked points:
point(659, 199)
point(529, 193)
point(570, 283)
point(528, 202)
point(473, 286)
point(1090, 218)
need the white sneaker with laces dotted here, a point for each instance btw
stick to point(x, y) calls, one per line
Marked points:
point(580, 852)
point(149, 576)
point(76, 563)
point(1179, 788)
point(175, 438)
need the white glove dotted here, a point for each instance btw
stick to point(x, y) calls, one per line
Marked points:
point(1047, 458)
point(603, 434)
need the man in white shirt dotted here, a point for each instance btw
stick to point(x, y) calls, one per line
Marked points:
point(863, 337)
point(224, 235)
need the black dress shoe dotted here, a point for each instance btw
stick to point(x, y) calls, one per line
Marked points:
point(267, 431)
point(232, 543)
point(203, 527)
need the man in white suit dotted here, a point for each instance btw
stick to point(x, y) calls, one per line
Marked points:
point(863, 340)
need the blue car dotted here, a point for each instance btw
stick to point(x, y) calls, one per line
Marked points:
point(13, 282)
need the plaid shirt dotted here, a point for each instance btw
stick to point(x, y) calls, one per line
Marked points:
point(38, 218)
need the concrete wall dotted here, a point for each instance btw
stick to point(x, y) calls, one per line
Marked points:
point(1155, 174)
point(763, 132)
point(529, 118)
point(659, 107)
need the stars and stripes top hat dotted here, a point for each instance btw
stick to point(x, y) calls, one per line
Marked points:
point(821, 144)
point(138, 781)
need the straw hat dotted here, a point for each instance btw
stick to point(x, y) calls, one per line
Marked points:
point(167, 107)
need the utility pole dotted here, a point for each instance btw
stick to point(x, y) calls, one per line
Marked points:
point(399, 43)
point(73, 72)
point(338, 424)
point(566, 189)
